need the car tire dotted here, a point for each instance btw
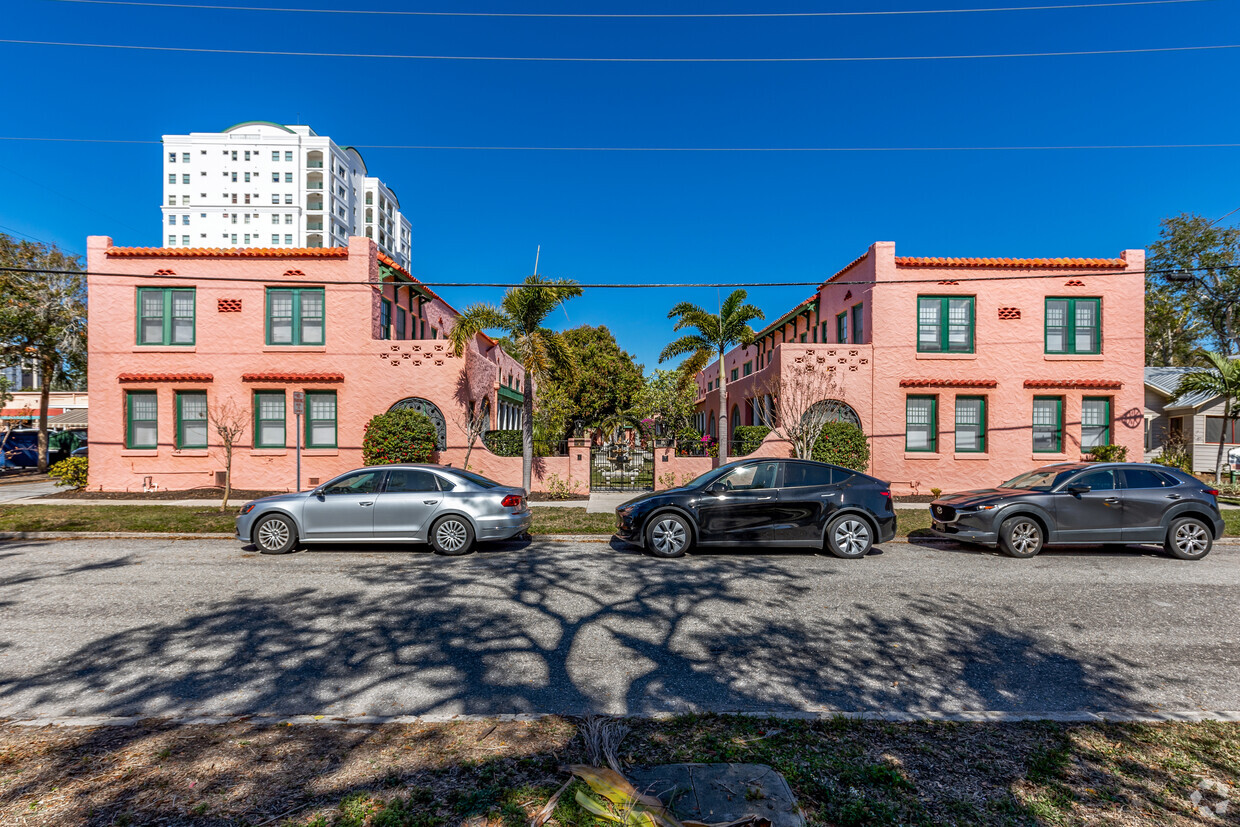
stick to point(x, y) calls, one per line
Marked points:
point(849, 537)
point(668, 535)
point(1021, 537)
point(452, 536)
point(275, 534)
point(1188, 539)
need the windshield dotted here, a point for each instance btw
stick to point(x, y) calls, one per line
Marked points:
point(476, 479)
point(710, 476)
point(1044, 479)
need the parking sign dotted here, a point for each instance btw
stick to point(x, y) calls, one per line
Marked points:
point(299, 403)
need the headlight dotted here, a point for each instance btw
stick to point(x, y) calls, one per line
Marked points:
point(247, 508)
point(978, 508)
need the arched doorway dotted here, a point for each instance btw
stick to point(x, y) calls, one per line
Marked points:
point(837, 411)
point(436, 416)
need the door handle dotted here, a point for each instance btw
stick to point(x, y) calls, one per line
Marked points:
point(1111, 500)
point(366, 503)
point(1173, 496)
point(429, 502)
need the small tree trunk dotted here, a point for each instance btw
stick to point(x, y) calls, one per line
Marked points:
point(1222, 439)
point(527, 435)
point(723, 409)
point(45, 381)
point(227, 475)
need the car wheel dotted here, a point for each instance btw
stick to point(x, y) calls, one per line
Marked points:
point(668, 536)
point(1020, 537)
point(1188, 539)
point(275, 535)
point(849, 537)
point(452, 536)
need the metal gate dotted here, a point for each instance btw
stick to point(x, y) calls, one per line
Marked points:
point(621, 467)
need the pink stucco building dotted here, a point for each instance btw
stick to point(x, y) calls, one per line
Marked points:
point(962, 372)
point(177, 332)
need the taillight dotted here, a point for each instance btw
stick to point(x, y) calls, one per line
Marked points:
point(1213, 492)
point(511, 501)
point(884, 494)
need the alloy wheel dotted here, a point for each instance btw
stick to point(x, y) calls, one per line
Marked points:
point(852, 537)
point(273, 534)
point(451, 535)
point(669, 536)
point(1190, 538)
point(1025, 537)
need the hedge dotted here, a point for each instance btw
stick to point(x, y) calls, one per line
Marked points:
point(403, 435)
point(747, 439)
point(503, 443)
point(842, 443)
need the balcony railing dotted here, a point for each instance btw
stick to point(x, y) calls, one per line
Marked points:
point(314, 186)
point(314, 207)
point(317, 226)
point(314, 164)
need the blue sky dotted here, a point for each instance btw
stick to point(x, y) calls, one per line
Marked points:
point(639, 217)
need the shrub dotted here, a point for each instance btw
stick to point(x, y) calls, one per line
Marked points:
point(558, 489)
point(748, 438)
point(402, 435)
point(1108, 453)
point(842, 443)
point(71, 472)
point(667, 480)
point(503, 443)
point(935, 492)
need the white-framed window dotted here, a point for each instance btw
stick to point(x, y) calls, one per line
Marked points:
point(172, 241)
point(247, 238)
point(275, 155)
point(172, 220)
point(275, 177)
point(288, 198)
point(185, 219)
point(172, 200)
point(172, 157)
point(234, 238)
point(246, 218)
point(288, 239)
point(185, 200)
point(275, 218)
point(275, 198)
point(275, 239)
point(288, 177)
point(288, 218)
point(172, 178)
point(234, 176)
point(288, 156)
point(247, 154)
point(247, 177)
point(233, 218)
point(234, 154)
point(185, 240)
point(185, 157)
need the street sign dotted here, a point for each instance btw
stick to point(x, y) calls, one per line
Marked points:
point(299, 403)
point(299, 408)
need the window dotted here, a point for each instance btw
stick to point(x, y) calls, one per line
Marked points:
point(288, 239)
point(234, 176)
point(172, 157)
point(185, 219)
point(400, 322)
point(247, 235)
point(184, 241)
point(269, 419)
point(1047, 424)
point(247, 177)
point(856, 323)
point(234, 154)
point(275, 198)
point(172, 220)
point(1217, 426)
point(841, 328)
point(1073, 325)
point(288, 218)
point(748, 368)
point(797, 475)
point(945, 324)
point(275, 177)
point(233, 238)
point(165, 316)
point(1145, 478)
point(185, 201)
point(172, 178)
point(1095, 422)
point(275, 218)
point(247, 198)
point(247, 154)
point(385, 319)
point(288, 156)
point(921, 427)
point(142, 427)
point(970, 424)
point(320, 419)
point(172, 200)
point(288, 177)
point(191, 419)
point(734, 375)
point(1100, 480)
point(288, 198)
point(757, 477)
point(185, 178)
point(295, 316)
point(408, 479)
point(275, 155)
point(824, 333)
point(172, 241)
point(185, 157)
point(275, 239)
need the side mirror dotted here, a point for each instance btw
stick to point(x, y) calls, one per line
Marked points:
point(1079, 489)
point(715, 489)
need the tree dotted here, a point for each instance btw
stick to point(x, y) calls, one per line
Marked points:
point(5, 427)
point(520, 317)
point(229, 421)
point(716, 335)
point(44, 318)
point(1210, 303)
point(1220, 376)
point(605, 380)
point(474, 413)
point(804, 397)
point(669, 400)
point(473, 420)
point(1172, 326)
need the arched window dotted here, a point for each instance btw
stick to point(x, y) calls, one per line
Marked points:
point(837, 411)
point(428, 408)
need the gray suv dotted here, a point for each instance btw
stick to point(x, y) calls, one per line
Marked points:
point(1086, 502)
point(449, 508)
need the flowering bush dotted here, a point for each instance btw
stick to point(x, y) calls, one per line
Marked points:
point(402, 435)
point(503, 443)
point(71, 472)
point(842, 443)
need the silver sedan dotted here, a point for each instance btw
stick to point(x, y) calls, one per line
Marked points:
point(449, 508)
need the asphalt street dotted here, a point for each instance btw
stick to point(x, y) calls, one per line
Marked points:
point(175, 628)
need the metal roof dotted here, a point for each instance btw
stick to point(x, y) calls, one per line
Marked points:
point(1167, 380)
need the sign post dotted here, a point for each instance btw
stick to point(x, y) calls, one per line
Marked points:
point(299, 407)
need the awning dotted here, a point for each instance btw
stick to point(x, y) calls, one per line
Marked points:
point(72, 418)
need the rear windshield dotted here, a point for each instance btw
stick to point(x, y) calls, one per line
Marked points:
point(476, 479)
point(1043, 479)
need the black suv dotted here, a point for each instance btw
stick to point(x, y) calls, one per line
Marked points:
point(1086, 502)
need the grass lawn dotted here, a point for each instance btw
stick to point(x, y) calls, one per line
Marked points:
point(190, 519)
point(843, 772)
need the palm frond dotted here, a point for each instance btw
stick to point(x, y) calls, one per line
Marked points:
point(734, 300)
point(536, 298)
point(686, 344)
point(477, 318)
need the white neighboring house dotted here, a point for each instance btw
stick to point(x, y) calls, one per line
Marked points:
point(263, 184)
point(1197, 414)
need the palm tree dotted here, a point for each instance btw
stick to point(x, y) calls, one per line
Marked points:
point(716, 334)
point(520, 317)
point(1220, 376)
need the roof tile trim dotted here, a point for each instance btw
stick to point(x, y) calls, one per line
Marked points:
point(1002, 263)
point(228, 252)
point(165, 377)
point(292, 377)
point(1075, 384)
point(948, 383)
point(845, 269)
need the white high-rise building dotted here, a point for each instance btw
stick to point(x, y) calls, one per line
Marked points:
point(261, 184)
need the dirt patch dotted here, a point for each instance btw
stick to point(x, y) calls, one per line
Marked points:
point(543, 497)
point(155, 496)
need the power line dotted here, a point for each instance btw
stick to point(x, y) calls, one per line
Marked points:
point(534, 59)
point(481, 147)
point(40, 241)
point(889, 13)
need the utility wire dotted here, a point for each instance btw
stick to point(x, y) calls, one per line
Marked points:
point(534, 59)
point(888, 13)
point(696, 148)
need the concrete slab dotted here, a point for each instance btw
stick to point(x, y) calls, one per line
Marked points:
point(605, 503)
point(721, 792)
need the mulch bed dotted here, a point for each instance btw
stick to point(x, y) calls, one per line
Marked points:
point(915, 498)
point(544, 497)
point(187, 494)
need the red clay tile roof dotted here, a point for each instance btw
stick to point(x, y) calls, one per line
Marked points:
point(165, 377)
point(228, 252)
point(292, 377)
point(948, 383)
point(1007, 263)
point(845, 268)
point(1075, 384)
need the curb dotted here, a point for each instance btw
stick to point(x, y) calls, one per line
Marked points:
point(890, 716)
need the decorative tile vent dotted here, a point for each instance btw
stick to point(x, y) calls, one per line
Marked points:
point(945, 283)
point(1074, 283)
point(848, 295)
point(165, 272)
point(1009, 313)
point(296, 273)
point(228, 305)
